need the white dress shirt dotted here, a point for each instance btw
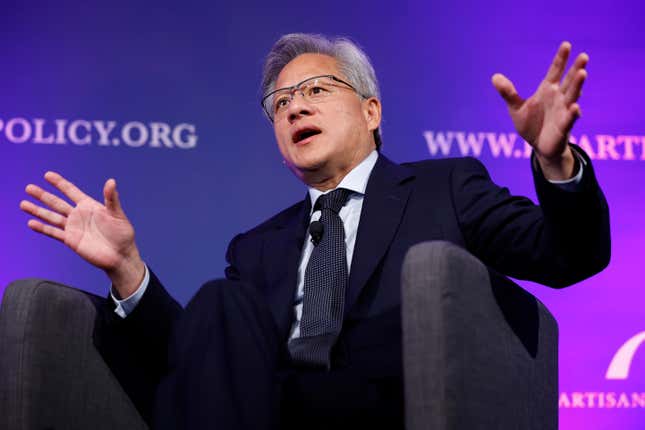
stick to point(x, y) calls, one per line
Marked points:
point(355, 181)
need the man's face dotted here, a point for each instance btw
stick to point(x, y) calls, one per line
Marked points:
point(339, 129)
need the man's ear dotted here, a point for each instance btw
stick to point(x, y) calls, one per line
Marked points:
point(372, 112)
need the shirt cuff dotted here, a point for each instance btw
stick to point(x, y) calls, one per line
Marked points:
point(125, 306)
point(572, 184)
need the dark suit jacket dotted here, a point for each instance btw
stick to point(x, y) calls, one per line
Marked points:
point(561, 242)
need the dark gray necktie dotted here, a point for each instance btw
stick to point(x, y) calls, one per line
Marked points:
point(324, 287)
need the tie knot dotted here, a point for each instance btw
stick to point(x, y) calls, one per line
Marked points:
point(333, 200)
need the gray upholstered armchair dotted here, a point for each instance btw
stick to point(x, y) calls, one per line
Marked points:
point(477, 354)
point(52, 375)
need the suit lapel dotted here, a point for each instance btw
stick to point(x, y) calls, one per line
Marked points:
point(282, 247)
point(386, 196)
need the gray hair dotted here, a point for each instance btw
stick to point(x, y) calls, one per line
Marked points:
point(353, 63)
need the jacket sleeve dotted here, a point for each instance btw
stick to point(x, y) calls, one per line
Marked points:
point(136, 347)
point(563, 241)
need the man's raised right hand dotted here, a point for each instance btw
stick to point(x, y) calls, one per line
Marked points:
point(100, 233)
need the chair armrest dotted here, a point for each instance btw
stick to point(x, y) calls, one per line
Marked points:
point(479, 351)
point(52, 375)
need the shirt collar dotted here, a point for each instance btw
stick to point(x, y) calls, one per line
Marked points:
point(355, 180)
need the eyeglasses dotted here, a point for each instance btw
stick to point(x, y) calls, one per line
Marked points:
point(314, 90)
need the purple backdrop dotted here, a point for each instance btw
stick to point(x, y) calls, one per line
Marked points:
point(164, 97)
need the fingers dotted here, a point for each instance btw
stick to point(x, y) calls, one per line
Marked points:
point(47, 230)
point(111, 196)
point(55, 219)
point(52, 201)
point(507, 90)
point(579, 64)
point(46, 215)
point(575, 112)
point(66, 187)
point(572, 115)
point(555, 72)
point(574, 89)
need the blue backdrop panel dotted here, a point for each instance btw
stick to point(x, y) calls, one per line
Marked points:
point(164, 97)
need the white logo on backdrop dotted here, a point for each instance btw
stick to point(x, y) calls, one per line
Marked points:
point(622, 361)
point(618, 369)
point(82, 132)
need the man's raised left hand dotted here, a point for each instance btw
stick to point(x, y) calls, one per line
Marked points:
point(545, 119)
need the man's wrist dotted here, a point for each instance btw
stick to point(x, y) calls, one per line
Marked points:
point(559, 168)
point(128, 276)
point(124, 306)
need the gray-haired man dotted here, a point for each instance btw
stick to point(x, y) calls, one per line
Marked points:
point(305, 331)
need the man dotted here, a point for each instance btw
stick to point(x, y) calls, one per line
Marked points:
point(305, 330)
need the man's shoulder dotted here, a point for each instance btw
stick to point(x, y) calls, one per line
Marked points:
point(281, 219)
point(444, 166)
point(248, 240)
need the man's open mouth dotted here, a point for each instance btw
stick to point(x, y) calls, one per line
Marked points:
point(305, 133)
